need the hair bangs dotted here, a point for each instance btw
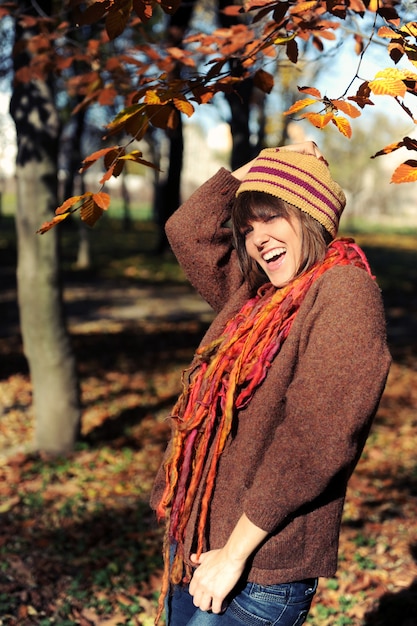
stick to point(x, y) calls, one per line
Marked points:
point(251, 206)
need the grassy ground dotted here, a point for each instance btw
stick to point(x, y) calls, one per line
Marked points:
point(78, 542)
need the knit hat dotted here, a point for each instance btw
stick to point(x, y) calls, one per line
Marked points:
point(303, 180)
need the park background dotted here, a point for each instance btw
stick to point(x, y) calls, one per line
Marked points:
point(78, 542)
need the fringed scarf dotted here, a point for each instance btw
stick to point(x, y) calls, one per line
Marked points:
point(222, 380)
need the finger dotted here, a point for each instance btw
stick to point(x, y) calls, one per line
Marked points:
point(218, 606)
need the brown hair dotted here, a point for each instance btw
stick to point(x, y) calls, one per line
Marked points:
point(256, 205)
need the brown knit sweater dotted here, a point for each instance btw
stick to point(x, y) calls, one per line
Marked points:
point(299, 439)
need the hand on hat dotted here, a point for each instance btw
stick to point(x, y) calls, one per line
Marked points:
point(305, 147)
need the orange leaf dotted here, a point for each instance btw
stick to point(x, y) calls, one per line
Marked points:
point(232, 10)
point(342, 125)
point(90, 212)
point(317, 119)
point(301, 7)
point(143, 10)
point(102, 200)
point(405, 173)
point(392, 147)
point(310, 91)
point(299, 105)
point(92, 158)
point(385, 31)
point(65, 206)
point(346, 108)
point(115, 170)
point(184, 106)
point(48, 225)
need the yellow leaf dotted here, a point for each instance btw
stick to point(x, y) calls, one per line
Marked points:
point(410, 29)
point(90, 212)
point(342, 125)
point(152, 97)
point(184, 106)
point(318, 120)
point(123, 116)
point(136, 157)
point(279, 41)
point(346, 108)
point(388, 87)
point(299, 105)
point(405, 173)
point(373, 6)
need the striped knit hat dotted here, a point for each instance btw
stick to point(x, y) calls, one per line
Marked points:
point(302, 180)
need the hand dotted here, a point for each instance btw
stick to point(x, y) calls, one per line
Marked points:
point(306, 147)
point(215, 577)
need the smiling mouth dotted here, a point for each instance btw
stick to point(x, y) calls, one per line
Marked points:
point(274, 255)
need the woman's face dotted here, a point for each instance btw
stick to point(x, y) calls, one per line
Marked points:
point(275, 244)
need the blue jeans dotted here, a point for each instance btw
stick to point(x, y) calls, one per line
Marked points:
point(256, 605)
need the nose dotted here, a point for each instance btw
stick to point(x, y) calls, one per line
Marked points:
point(260, 234)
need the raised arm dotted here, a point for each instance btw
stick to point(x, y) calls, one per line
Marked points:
point(201, 239)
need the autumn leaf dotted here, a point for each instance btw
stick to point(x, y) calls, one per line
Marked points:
point(136, 157)
point(405, 173)
point(184, 106)
point(346, 108)
point(95, 156)
point(264, 81)
point(318, 120)
point(162, 115)
point(152, 97)
point(102, 200)
point(389, 82)
point(48, 225)
point(388, 149)
point(117, 18)
point(90, 212)
point(299, 105)
point(342, 125)
point(387, 32)
point(292, 51)
point(302, 7)
point(67, 204)
point(112, 156)
point(279, 41)
point(310, 91)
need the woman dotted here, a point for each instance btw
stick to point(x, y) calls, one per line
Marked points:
point(279, 398)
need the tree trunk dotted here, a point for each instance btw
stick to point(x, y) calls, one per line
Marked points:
point(45, 340)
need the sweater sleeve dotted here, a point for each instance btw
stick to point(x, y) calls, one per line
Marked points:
point(202, 242)
point(343, 362)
